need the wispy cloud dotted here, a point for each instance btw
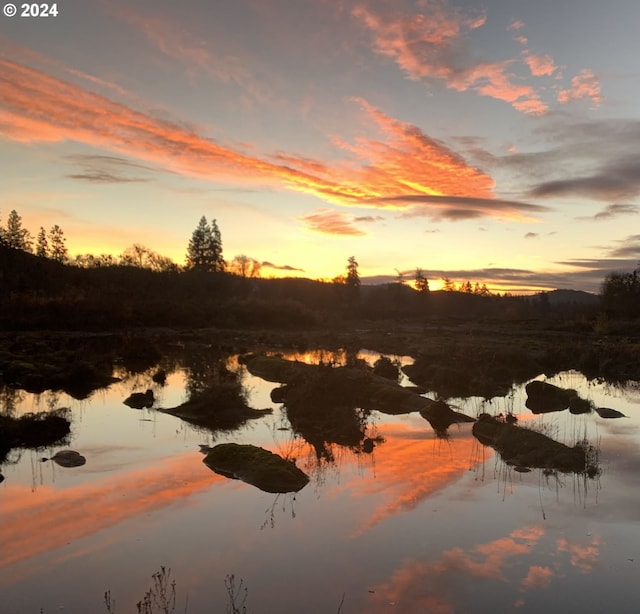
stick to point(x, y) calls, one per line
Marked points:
point(401, 160)
point(531, 235)
point(108, 169)
point(584, 85)
point(617, 179)
point(281, 267)
point(460, 208)
point(197, 55)
point(612, 211)
point(539, 65)
point(627, 248)
point(424, 586)
point(433, 44)
point(331, 222)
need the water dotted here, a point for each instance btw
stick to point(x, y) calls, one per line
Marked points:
point(420, 525)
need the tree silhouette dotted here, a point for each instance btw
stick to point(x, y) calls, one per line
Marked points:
point(448, 284)
point(204, 252)
point(57, 241)
point(245, 266)
point(621, 293)
point(42, 245)
point(353, 278)
point(421, 281)
point(15, 235)
point(142, 257)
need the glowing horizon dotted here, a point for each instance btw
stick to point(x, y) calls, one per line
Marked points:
point(462, 140)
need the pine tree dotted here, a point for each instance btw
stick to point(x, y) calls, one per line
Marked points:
point(421, 281)
point(42, 245)
point(204, 252)
point(216, 248)
point(15, 235)
point(352, 281)
point(58, 244)
point(353, 278)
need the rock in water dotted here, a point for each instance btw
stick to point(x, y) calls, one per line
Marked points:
point(607, 412)
point(140, 400)
point(67, 458)
point(256, 466)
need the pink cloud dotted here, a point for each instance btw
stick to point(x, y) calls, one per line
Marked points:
point(584, 85)
point(197, 55)
point(583, 557)
point(396, 159)
point(540, 65)
point(330, 222)
point(538, 577)
point(432, 45)
point(422, 586)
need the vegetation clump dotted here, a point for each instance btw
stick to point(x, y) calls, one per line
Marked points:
point(35, 431)
point(523, 447)
point(219, 407)
point(256, 466)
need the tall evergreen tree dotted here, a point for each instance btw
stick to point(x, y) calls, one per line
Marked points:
point(15, 235)
point(216, 247)
point(58, 245)
point(352, 281)
point(204, 252)
point(42, 245)
point(421, 281)
point(353, 277)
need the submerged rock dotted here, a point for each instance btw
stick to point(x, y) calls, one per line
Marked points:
point(256, 466)
point(607, 412)
point(543, 397)
point(160, 377)
point(580, 406)
point(440, 416)
point(67, 458)
point(526, 448)
point(140, 400)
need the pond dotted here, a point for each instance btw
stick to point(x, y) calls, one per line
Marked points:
point(414, 523)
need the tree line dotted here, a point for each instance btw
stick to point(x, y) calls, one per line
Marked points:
point(620, 292)
point(204, 250)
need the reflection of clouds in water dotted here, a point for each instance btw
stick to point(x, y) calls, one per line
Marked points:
point(583, 557)
point(420, 586)
point(409, 468)
point(538, 577)
point(34, 525)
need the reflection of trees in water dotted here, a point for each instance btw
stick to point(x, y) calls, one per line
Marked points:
point(207, 367)
point(10, 398)
point(283, 502)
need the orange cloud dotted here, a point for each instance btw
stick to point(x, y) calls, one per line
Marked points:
point(538, 577)
point(33, 525)
point(330, 222)
point(540, 65)
point(410, 468)
point(584, 85)
point(403, 160)
point(431, 45)
point(419, 585)
point(584, 558)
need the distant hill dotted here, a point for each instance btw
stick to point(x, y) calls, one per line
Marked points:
point(568, 297)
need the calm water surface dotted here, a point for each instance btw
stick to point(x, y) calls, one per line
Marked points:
point(420, 525)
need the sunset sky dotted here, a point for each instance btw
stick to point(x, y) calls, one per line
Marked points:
point(495, 141)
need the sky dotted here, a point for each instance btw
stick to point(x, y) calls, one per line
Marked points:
point(495, 141)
